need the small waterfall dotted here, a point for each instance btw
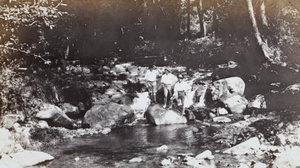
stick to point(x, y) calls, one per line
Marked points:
point(202, 91)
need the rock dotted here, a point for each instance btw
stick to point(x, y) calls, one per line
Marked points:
point(55, 117)
point(295, 88)
point(9, 120)
point(260, 165)
point(165, 162)
point(163, 149)
point(258, 102)
point(280, 140)
point(190, 161)
point(205, 155)
point(30, 158)
point(70, 110)
point(109, 115)
point(6, 144)
point(135, 160)
point(43, 124)
point(157, 115)
point(77, 159)
point(248, 147)
point(106, 131)
point(288, 158)
point(8, 162)
point(243, 165)
point(227, 86)
point(222, 111)
point(235, 103)
point(221, 119)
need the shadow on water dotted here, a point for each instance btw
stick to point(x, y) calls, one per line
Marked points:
point(123, 144)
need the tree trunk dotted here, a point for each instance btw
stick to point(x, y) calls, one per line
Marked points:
point(188, 18)
point(264, 46)
point(263, 14)
point(200, 15)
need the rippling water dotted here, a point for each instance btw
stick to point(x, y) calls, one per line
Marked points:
point(123, 144)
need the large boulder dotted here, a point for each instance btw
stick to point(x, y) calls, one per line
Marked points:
point(227, 86)
point(109, 115)
point(257, 102)
point(158, 115)
point(229, 92)
point(235, 103)
point(55, 117)
point(70, 110)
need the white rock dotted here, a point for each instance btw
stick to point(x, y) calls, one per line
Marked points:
point(288, 158)
point(30, 158)
point(243, 165)
point(135, 160)
point(205, 155)
point(48, 111)
point(190, 161)
point(165, 162)
point(222, 111)
point(221, 119)
point(106, 131)
point(260, 165)
point(8, 162)
point(248, 147)
point(43, 124)
point(280, 140)
point(77, 159)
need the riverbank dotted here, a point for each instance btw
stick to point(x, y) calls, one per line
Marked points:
point(276, 131)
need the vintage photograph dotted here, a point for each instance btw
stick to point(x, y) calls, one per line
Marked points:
point(149, 83)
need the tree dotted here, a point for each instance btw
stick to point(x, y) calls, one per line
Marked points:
point(200, 16)
point(23, 24)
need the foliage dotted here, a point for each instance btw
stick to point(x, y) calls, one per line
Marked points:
point(21, 26)
point(16, 95)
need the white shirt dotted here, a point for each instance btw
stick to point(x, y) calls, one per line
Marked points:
point(168, 79)
point(151, 75)
point(182, 86)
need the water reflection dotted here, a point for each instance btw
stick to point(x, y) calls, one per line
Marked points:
point(128, 142)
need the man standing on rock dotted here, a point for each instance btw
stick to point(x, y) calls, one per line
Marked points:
point(167, 81)
point(151, 82)
point(181, 90)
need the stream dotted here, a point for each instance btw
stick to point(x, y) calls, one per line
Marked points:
point(125, 143)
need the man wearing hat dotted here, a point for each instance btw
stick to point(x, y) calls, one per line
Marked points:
point(181, 88)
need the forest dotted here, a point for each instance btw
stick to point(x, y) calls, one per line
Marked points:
point(55, 52)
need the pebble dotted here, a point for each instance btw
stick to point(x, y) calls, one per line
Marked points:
point(135, 160)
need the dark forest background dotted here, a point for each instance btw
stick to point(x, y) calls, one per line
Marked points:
point(262, 36)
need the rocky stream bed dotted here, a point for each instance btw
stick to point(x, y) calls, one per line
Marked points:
point(114, 124)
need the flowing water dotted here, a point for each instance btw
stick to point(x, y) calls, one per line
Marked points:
point(125, 143)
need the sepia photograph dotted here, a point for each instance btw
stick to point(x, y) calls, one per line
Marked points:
point(149, 83)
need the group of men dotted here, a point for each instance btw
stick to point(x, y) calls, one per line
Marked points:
point(178, 93)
